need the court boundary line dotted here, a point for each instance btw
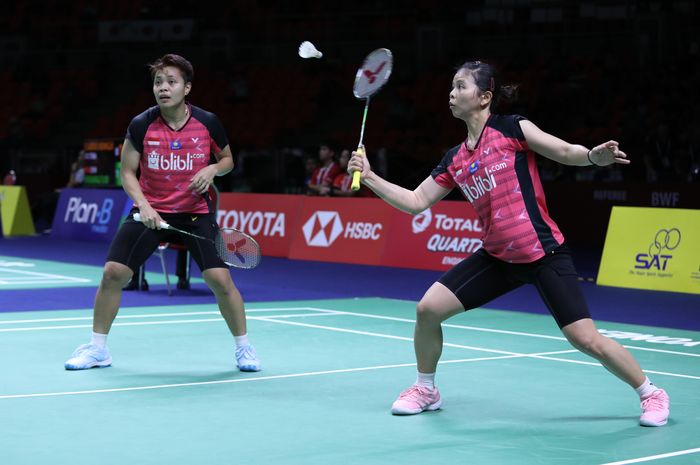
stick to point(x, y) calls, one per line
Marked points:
point(458, 346)
point(338, 312)
point(260, 378)
point(654, 457)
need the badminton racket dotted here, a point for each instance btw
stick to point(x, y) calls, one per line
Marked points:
point(371, 76)
point(234, 247)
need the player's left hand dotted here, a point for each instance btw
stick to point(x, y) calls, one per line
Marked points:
point(203, 179)
point(609, 153)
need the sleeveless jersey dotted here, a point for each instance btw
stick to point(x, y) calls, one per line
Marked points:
point(500, 179)
point(170, 158)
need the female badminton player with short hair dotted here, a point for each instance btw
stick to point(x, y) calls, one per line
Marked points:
point(495, 169)
point(170, 143)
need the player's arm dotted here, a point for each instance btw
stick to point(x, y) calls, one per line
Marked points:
point(571, 154)
point(205, 177)
point(129, 167)
point(425, 195)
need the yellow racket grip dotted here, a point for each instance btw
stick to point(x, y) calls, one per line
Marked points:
point(355, 186)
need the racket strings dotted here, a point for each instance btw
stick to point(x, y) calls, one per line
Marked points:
point(235, 248)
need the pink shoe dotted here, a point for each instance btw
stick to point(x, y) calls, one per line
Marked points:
point(655, 409)
point(416, 399)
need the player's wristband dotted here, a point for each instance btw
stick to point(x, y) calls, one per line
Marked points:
point(589, 157)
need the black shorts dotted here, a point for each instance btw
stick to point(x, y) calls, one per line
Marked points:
point(481, 278)
point(134, 242)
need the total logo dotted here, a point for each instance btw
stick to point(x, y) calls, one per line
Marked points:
point(89, 213)
point(665, 239)
point(324, 227)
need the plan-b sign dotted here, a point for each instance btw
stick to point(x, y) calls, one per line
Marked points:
point(89, 214)
point(436, 239)
point(270, 218)
point(342, 230)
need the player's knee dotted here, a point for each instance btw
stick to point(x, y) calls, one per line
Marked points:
point(115, 274)
point(426, 312)
point(591, 344)
point(221, 286)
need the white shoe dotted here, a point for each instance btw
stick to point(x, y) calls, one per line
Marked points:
point(89, 356)
point(247, 359)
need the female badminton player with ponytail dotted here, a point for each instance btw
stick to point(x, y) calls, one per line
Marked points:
point(495, 170)
point(170, 144)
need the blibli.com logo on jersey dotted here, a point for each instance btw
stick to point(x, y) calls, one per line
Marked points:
point(172, 162)
point(94, 214)
point(479, 184)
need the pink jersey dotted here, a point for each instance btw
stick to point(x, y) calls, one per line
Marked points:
point(500, 179)
point(170, 158)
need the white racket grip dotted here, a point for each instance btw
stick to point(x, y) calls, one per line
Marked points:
point(163, 224)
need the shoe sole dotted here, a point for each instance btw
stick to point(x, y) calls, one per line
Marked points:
point(650, 423)
point(429, 408)
point(102, 364)
point(249, 368)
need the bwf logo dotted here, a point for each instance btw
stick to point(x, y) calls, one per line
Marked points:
point(322, 229)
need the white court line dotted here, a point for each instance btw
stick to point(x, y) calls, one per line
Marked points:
point(258, 378)
point(47, 275)
point(654, 457)
point(446, 344)
point(158, 315)
point(317, 309)
point(150, 323)
point(503, 331)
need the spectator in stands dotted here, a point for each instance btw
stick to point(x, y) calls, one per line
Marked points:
point(77, 171)
point(310, 165)
point(343, 180)
point(323, 176)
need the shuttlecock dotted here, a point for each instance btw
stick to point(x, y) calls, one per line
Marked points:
point(308, 50)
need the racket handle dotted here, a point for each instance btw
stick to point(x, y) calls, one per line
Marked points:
point(163, 224)
point(355, 186)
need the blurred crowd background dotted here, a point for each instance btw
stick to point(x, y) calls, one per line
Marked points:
point(588, 72)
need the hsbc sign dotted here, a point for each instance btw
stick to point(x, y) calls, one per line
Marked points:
point(324, 227)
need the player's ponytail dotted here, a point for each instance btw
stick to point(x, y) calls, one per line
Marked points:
point(486, 80)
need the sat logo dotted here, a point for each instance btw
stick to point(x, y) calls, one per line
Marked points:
point(665, 239)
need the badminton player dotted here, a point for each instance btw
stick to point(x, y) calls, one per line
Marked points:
point(170, 144)
point(495, 170)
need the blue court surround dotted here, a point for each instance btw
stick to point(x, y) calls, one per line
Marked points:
point(283, 279)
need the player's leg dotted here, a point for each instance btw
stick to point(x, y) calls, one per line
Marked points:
point(557, 283)
point(132, 245)
point(231, 307)
point(218, 277)
point(470, 284)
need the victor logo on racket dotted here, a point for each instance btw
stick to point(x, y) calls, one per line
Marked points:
point(234, 247)
point(376, 69)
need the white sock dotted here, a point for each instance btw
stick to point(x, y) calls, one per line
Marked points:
point(242, 340)
point(99, 340)
point(646, 389)
point(426, 380)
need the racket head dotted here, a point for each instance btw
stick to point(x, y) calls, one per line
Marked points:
point(237, 249)
point(373, 73)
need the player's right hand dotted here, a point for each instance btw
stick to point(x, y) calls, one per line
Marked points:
point(149, 217)
point(359, 162)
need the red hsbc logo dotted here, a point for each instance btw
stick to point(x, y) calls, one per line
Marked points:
point(322, 229)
